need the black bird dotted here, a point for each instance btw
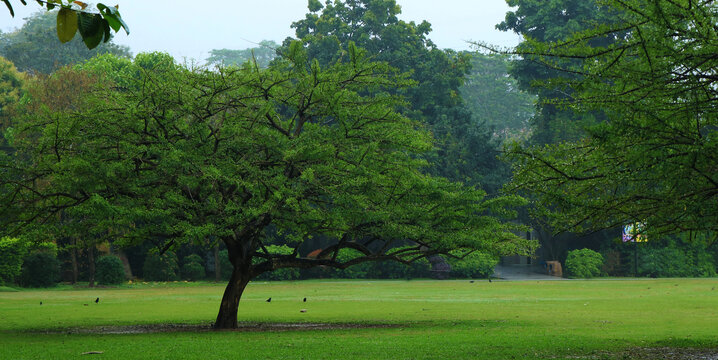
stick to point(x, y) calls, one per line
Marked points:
point(269, 300)
point(489, 279)
point(40, 302)
point(472, 281)
point(305, 300)
point(97, 300)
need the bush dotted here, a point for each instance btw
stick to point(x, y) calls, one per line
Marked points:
point(389, 270)
point(474, 265)
point(12, 252)
point(358, 271)
point(584, 263)
point(40, 269)
point(192, 269)
point(160, 268)
point(109, 270)
point(279, 274)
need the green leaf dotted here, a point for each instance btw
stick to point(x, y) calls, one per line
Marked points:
point(66, 24)
point(91, 29)
point(113, 17)
point(106, 27)
point(113, 21)
point(51, 4)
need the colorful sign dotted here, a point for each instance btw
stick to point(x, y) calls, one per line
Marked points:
point(634, 233)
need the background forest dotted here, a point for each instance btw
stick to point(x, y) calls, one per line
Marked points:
point(480, 128)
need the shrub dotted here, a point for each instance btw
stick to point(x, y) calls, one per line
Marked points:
point(109, 270)
point(12, 252)
point(358, 271)
point(584, 263)
point(192, 269)
point(40, 269)
point(395, 270)
point(389, 270)
point(668, 262)
point(160, 268)
point(474, 265)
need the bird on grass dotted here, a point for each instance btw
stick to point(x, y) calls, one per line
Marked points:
point(305, 300)
point(40, 302)
point(97, 300)
point(269, 300)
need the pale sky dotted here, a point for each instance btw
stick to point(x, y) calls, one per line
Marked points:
point(190, 29)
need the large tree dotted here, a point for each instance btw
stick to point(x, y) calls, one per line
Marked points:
point(654, 160)
point(263, 54)
point(34, 47)
point(494, 97)
point(546, 21)
point(11, 89)
point(300, 149)
point(464, 149)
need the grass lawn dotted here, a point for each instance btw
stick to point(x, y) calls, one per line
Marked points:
point(600, 319)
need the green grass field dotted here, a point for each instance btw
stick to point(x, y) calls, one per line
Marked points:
point(602, 319)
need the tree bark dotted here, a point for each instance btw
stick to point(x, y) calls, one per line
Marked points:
point(125, 264)
point(227, 317)
point(240, 249)
point(73, 256)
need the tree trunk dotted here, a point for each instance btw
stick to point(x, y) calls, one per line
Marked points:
point(73, 256)
point(91, 263)
point(227, 317)
point(126, 265)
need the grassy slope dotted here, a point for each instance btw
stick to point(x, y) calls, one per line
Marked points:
point(435, 319)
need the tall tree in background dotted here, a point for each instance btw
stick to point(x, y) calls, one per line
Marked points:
point(464, 150)
point(11, 89)
point(552, 20)
point(35, 48)
point(264, 53)
point(494, 97)
point(655, 160)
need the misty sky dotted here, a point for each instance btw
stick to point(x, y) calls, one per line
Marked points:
point(189, 29)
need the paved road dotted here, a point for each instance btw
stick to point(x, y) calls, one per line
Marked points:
point(522, 273)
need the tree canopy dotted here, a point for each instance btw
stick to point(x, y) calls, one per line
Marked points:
point(464, 150)
point(11, 88)
point(494, 97)
point(176, 155)
point(263, 54)
point(547, 21)
point(654, 159)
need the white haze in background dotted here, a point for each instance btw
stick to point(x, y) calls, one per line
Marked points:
point(188, 30)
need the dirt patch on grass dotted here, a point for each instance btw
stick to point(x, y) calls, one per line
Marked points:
point(666, 353)
point(243, 327)
point(656, 353)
